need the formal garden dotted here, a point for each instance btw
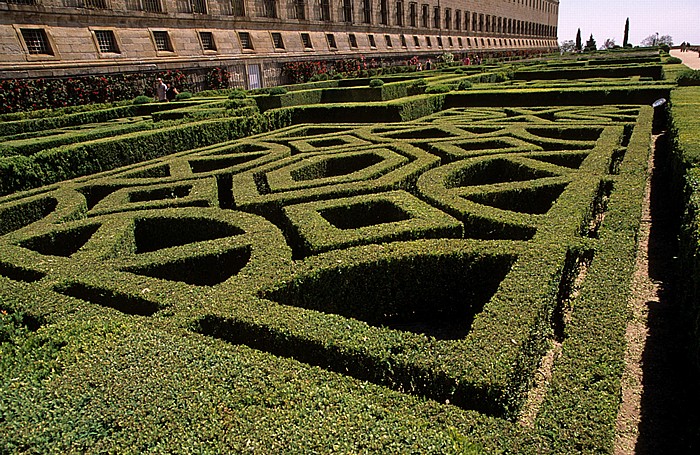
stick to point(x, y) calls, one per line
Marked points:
point(389, 263)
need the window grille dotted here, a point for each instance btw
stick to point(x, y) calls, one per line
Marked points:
point(416, 41)
point(106, 41)
point(151, 6)
point(96, 4)
point(387, 40)
point(36, 40)
point(207, 39)
point(403, 41)
point(246, 42)
point(353, 40)
point(306, 41)
point(162, 41)
point(331, 41)
point(277, 41)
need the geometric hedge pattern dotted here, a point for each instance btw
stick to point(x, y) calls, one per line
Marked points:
point(427, 248)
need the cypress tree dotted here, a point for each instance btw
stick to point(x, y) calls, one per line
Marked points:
point(578, 41)
point(625, 41)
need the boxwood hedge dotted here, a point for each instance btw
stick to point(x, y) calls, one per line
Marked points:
point(350, 286)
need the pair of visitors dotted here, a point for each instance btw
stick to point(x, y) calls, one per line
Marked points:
point(165, 92)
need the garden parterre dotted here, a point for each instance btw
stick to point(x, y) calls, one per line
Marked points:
point(332, 287)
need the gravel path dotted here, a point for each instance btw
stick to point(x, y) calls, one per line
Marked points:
point(690, 58)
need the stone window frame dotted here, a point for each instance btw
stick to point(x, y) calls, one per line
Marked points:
point(352, 40)
point(55, 55)
point(372, 41)
point(331, 41)
point(306, 42)
point(206, 51)
point(166, 52)
point(117, 41)
point(280, 38)
point(245, 40)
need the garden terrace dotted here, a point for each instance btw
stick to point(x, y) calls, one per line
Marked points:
point(356, 285)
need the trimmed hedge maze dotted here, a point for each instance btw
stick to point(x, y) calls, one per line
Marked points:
point(332, 287)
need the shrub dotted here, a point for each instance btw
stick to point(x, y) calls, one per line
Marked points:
point(689, 77)
point(277, 91)
point(142, 99)
point(376, 83)
point(237, 94)
point(183, 96)
point(674, 60)
point(441, 88)
point(464, 85)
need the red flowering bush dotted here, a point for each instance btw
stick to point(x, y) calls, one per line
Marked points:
point(32, 94)
point(217, 79)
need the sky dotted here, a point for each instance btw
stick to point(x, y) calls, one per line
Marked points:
point(606, 19)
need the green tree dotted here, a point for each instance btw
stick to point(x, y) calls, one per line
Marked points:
point(625, 40)
point(578, 41)
point(590, 45)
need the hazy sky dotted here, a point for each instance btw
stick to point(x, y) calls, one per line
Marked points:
point(606, 19)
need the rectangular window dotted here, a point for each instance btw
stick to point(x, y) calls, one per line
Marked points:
point(424, 18)
point(306, 41)
point(298, 10)
point(347, 11)
point(366, 11)
point(353, 40)
point(428, 42)
point(325, 13)
point(372, 43)
point(192, 6)
point(416, 41)
point(162, 40)
point(459, 41)
point(403, 41)
point(399, 13)
point(96, 4)
point(413, 14)
point(37, 42)
point(277, 40)
point(20, 2)
point(439, 41)
point(384, 12)
point(151, 6)
point(331, 40)
point(448, 18)
point(436, 17)
point(267, 8)
point(387, 40)
point(207, 40)
point(449, 41)
point(458, 20)
point(106, 41)
point(246, 41)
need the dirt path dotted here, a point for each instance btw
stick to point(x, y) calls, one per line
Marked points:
point(690, 58)
point(658, 414)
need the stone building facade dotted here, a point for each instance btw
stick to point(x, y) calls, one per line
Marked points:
point(253, 38)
